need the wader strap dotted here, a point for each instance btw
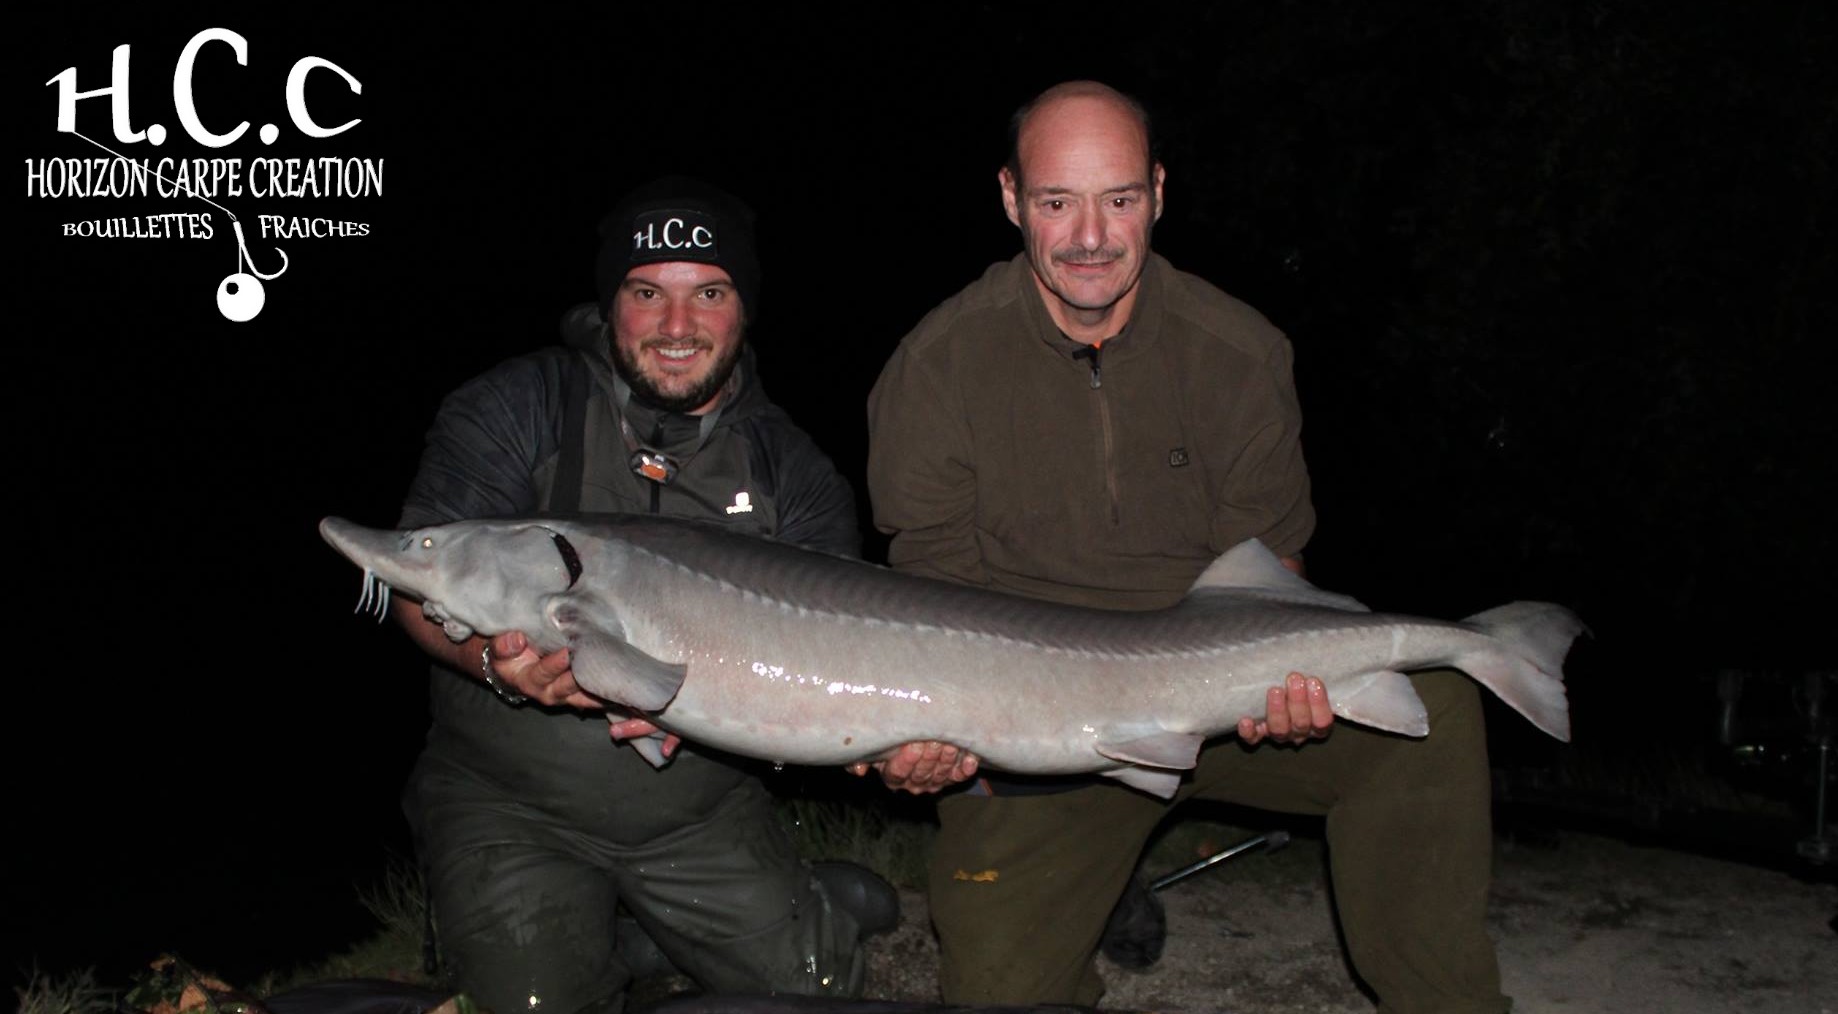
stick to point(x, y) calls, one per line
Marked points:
point(570, 468)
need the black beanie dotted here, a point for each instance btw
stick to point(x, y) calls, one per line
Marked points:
point(678, 219)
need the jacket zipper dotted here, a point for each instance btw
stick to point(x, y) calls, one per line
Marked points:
point(1110, 464)
point(1094, 352)
point(657, 488)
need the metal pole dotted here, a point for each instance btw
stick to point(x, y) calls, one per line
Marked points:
point(1274, 840)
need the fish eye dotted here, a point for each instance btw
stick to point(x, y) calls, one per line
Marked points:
point(427, 543)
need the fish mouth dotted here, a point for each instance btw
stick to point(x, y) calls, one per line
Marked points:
point(455, 629)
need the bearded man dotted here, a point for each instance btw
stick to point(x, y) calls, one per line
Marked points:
point(530, 821)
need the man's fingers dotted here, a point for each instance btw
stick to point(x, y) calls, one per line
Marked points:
point(1321, 712)
point(1276, 712)
point(923, 767)
point(509, 644)
point(631, 728)
point(638, 728)
point(919, 759)
point(547, 678)
point(895, 769)
point(1251, 731)
point(937, 757)
point(1295, 700)
point(554, 664)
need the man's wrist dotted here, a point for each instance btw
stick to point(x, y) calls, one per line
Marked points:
point(506, 693)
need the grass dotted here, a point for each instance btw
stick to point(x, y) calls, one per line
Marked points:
point(399, 903)
point(77, 993)
point(882, 838)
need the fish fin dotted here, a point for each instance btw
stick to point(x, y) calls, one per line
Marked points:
point(1154, 781)
point(1250, 566)
point(1529, 674)
point(1157, 750)
point(651, 748)
point(1383, 700)
point(608, 666)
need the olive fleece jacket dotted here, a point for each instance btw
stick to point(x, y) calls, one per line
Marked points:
point(1004, 454)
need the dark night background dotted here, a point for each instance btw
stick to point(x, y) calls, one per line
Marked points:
point(1559, 278)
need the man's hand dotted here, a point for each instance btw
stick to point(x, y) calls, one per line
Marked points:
point(623, 727)
point(545, 679)
point(922, 767)
point(1294, 713)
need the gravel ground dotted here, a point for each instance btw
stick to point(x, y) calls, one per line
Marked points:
point(1590, 925)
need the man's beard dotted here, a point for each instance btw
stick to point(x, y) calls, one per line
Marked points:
point(690, 400)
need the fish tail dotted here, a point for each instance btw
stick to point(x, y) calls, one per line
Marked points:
point(1526, 665)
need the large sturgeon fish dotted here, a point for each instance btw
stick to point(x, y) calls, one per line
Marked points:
point(771, 651)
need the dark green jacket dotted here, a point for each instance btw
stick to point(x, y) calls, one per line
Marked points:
point(494, 451)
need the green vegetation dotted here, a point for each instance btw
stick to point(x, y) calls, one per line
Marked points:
point(399, 903)
point(78, 993)
point(884, 838)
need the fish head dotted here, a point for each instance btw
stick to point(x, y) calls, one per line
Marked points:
point(484, 577)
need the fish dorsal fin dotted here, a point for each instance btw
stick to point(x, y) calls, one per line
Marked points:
point(1250, 568)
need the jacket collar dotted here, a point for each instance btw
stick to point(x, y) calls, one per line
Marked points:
point(1139, 333)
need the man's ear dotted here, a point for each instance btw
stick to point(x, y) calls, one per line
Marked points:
point(1011, 200)
point(1158, 176)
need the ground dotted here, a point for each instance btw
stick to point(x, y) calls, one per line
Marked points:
point(1584, 924)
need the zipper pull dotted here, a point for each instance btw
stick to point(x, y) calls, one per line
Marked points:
point(1092, 352)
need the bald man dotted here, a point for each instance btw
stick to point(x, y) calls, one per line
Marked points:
point(1086, 424)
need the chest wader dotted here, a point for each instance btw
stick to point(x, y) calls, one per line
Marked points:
point(531, 860)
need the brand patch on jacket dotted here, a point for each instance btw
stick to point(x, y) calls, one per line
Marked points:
point(1178, 457)
point(674, 235)
point(743, 504)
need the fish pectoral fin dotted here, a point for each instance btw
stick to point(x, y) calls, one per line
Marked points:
point(1383, 700)
point(1177, 750)
point(1154, 781)
point(609, 667)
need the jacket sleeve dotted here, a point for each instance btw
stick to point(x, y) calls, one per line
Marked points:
point(921, 479)
point(1264, 492)
point(816, 505)
point(485, 444)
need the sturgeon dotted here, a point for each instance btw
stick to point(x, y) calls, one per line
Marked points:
point(771, 651)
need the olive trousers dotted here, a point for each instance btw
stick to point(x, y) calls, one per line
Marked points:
point(1021, 886)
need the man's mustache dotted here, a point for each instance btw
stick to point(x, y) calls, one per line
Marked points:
point(1102, 256)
